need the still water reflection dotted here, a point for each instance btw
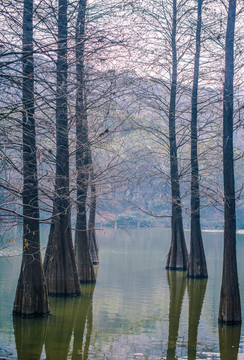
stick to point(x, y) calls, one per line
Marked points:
point(137, 310)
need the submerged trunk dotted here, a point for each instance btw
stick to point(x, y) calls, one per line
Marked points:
point(197, 266)
point(229, 307)
point(59, 265)
point(31, 295)
point(85, 267)
point(177, 256)
point(93, 245)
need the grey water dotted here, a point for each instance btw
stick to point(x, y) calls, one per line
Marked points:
point(136, 310)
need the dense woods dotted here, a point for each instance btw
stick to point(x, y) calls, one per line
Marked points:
point(114, 114)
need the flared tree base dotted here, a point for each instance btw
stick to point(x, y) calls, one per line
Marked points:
point(174, 268)
point(177, 258)
point(230, 310)
point(60, 266)
point(87, 274)
point(31, 299)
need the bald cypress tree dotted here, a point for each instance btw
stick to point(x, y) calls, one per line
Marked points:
point(60, 265)
point(229, 307)
point(31, 294)
point(197, 266)
point(93, 245)
point(177, 256)
point(85, 266)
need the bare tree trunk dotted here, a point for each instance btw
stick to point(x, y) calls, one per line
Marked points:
point(229, 307)
point(85, 266)
point(59, 265)
point(177, 256)
point(93, 245)
point(197, 266)
point(31, 295)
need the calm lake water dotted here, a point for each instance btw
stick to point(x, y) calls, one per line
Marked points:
point(137, 310)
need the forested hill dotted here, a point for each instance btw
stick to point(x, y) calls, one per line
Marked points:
point(132, 157)
point(128, 133)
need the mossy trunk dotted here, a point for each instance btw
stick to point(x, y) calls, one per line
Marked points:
point(31, 295)
point(197, 266)
point(177, 256)
point(59, 264)
point(229, 307)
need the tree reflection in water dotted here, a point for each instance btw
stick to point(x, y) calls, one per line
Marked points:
point(83, 325)
point(229, 341)
point(29, 337)
point(177, 286)
point(196, 292)
point(67, 331)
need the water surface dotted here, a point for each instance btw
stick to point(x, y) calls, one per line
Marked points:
point(137, 310)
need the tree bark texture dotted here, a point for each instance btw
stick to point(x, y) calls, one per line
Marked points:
point(93, 245)
point(229, 307)
point(197, 266)
point(86, 271)
point(60, 265)
point(31, 295)
point(196, 293)
point(177, 256)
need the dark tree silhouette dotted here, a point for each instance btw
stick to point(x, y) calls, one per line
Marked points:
point(59, 265)
point(177, 256)
point(93, 245)
point(31, 294)
point(229, 307)
point(197, 266)
point(85, 266)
